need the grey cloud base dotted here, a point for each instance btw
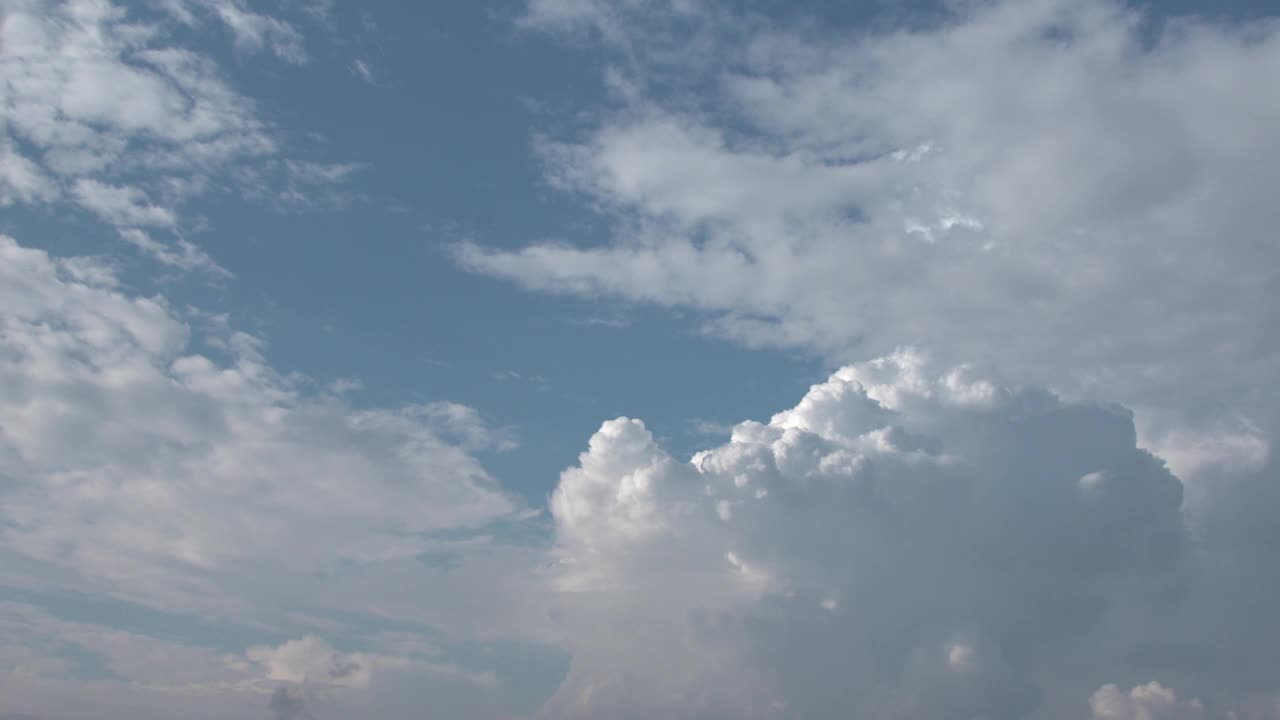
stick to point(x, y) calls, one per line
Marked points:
point(907, 542)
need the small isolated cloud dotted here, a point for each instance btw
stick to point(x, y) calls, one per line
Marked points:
point(364, 71)
point(311, 661)
point(608, 321)
point(542, 383)
point(1152, 701)
point(463, 425)
point(307, 184)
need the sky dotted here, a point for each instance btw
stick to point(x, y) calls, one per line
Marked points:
point(628, 359)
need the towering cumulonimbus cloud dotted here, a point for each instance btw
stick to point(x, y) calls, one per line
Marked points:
point(905, 542)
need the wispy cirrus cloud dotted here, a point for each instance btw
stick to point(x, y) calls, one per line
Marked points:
point(142, 469)
point(107, 110)
point(252, 31)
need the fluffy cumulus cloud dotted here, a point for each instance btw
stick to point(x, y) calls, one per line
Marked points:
point(1050, 186)
point(312, 660)
point(906, 542)
point(1152, 701)
point(154, 456)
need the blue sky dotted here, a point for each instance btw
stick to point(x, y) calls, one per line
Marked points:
point(638, 358)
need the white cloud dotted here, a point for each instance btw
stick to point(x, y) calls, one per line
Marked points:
point(1152, 701)
point(1046, 187)
point(85, 83)
point(121, 206)
point(105, 107)
point(364, 71)
point(311, 660)
point(891, 546)
point(183, 255)
point(140, 469)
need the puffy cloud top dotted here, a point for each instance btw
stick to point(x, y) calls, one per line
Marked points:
point(905, 541)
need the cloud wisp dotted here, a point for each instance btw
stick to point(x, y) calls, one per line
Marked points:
point(140, 467)
point(1054, 188)
point(105, 108)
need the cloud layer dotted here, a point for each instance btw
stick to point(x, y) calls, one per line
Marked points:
point(1073, 192)
point(140, 466)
